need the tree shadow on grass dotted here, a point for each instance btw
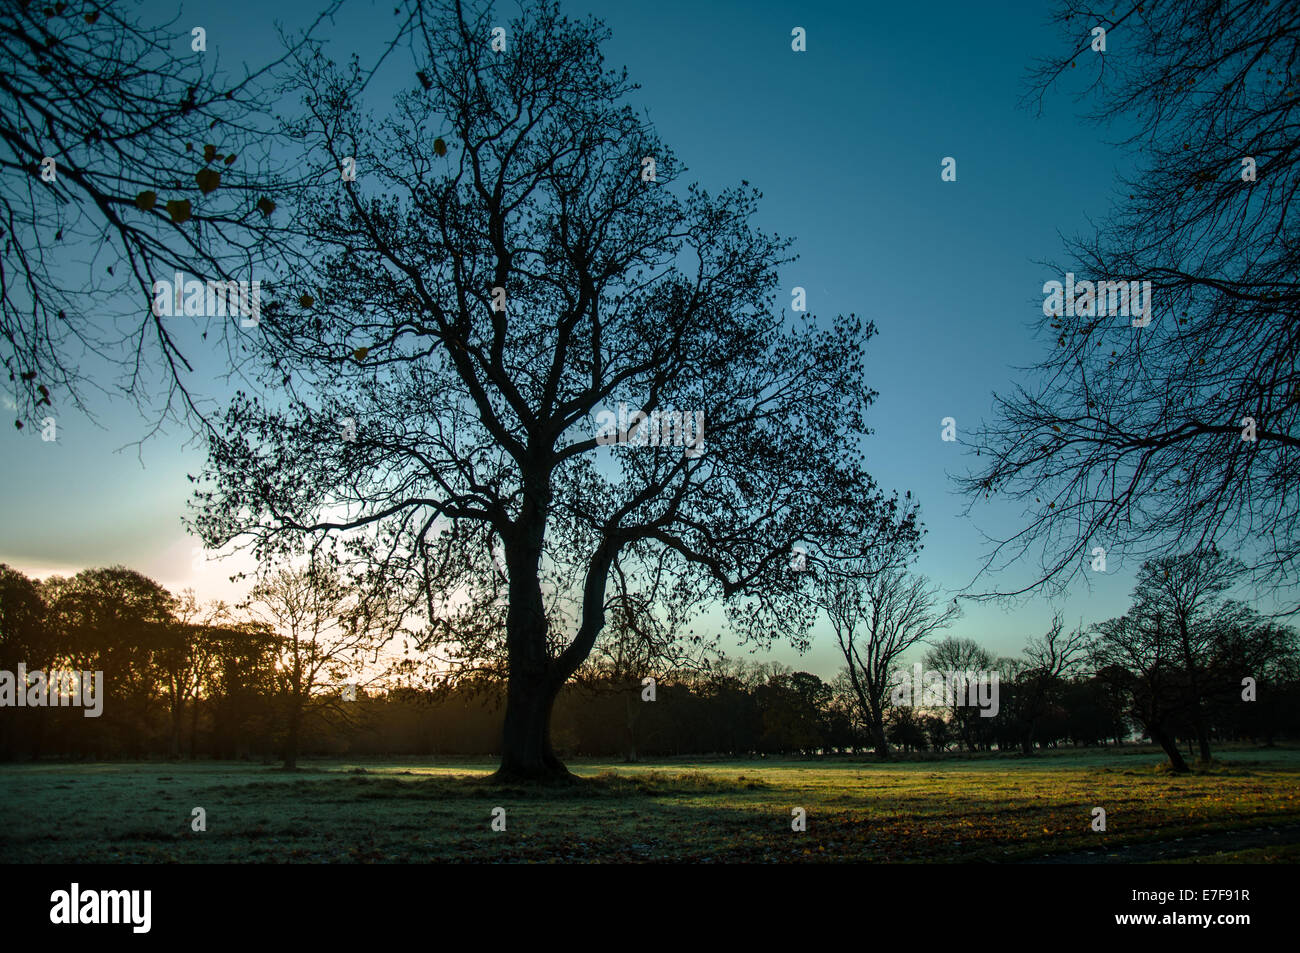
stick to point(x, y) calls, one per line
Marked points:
point(359, 785)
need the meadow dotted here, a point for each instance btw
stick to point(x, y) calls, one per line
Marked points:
point(1244, 808)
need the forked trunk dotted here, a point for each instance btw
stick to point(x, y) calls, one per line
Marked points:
point(535, 679)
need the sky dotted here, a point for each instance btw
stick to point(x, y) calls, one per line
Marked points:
point(845, 140)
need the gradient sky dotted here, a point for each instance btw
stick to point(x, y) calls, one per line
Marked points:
point(845, 141)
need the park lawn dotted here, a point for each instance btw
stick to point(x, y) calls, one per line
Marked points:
point(419, 810)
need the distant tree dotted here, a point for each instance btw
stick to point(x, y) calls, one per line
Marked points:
point(877, 615)
point(1186, 592)
point(243, 686)
point(1049, 661)
point(1186, 432)
point(815, 697)
point(1245, 644)
point(1269, 654)
point(1138, 653)
point(24, 633)
point(25, 636)
point(1095, 713)
point(185, 657)
point(938, 731)
point(729, 713)
point(792, 706)
point(843, 733)
point(114, 620)
point(327, 631)
point(904, 728)
point(952, 654)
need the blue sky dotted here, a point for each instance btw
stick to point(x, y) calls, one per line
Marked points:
point(845, 140)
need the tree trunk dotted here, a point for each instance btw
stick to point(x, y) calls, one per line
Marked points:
point(292, 736)
point(178, 720)
point(1027, 743)
point(1170, 746)
point(882, 744)
point(872, 713)
point(533, 682)
point(535, 679)
point(1203, 739)
point(526, 753)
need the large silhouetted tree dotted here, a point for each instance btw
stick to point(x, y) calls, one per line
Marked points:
point(435, 421)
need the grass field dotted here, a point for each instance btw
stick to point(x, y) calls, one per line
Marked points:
point(1245, 808)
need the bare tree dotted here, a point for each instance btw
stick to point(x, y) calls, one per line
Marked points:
point(1047, 660)
point(1184, 646)
point(548, 353)
point(952, 654)
point(877, 615)
point(1184, 432)
point(1186, 590)
point(1138, 654)
point(186, 658)
point(328, 632)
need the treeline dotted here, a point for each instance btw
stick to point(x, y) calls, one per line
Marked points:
point(753, 710)
point(186, 681)
point(178, 679)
